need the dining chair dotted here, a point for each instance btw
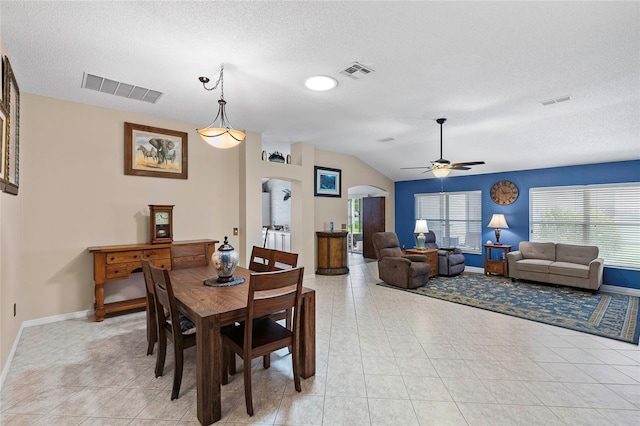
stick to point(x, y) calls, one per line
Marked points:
point(283, 260)
point(172, 325)
point(260, 335)
point(152, 322)
point(261, 259)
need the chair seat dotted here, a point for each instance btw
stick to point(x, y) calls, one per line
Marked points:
point(187, 327)
point(265, 330)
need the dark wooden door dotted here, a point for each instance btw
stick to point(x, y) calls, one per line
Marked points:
point(373, 219)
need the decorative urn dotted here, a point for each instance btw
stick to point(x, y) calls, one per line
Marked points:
point(225, 260)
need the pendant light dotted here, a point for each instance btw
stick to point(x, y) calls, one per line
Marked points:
point(220, 133)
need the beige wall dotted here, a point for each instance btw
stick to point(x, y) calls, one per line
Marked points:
point(10, 247)
point(74, 194)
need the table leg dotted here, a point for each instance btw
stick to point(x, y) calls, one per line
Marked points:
point(308, 335)
point(208, 367)
point(99, 305)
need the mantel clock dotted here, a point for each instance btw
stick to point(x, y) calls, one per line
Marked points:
point(161, 221)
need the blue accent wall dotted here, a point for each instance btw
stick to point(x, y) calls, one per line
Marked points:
point(516, 214)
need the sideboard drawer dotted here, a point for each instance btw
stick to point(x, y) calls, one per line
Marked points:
point(188, 250)
point(117, 271)
point(124, 256)
point(163, 253)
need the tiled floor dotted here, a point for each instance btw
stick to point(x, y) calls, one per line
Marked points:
point(384, 357)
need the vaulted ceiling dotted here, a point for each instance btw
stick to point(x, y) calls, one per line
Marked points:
point(485, 66)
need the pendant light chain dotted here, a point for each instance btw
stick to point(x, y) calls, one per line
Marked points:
point(220, 83)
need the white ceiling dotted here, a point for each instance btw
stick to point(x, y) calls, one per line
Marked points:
point(485, 66)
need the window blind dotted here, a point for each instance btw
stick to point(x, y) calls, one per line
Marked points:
point(607, 216)
point(455, 218)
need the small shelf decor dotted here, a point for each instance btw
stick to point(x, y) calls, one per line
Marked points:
point(276, 157)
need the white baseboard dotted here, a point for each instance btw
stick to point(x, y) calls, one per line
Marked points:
point(32, 323)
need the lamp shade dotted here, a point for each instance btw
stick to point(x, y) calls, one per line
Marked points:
point(441, 172)
point(421, 226)
point(221, 137)
point(498, 221)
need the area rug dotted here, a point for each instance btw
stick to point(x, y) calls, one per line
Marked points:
point(609, 315)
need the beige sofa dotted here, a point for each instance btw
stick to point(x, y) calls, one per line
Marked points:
point(564, 264)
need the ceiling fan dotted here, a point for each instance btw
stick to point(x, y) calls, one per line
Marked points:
point(442, 167)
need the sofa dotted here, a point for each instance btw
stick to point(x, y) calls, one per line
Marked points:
point(556, 263)
point(450, 261)
point(409, 271)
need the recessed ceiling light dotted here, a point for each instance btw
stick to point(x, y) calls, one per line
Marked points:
point(321, 83)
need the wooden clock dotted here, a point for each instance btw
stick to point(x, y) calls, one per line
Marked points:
point(504, 192)
point(161, 221)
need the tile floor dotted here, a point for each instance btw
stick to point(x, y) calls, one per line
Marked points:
point(385, 357)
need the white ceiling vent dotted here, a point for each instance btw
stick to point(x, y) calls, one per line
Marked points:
point(112, 87)
point(356, 71)
point(556, 100)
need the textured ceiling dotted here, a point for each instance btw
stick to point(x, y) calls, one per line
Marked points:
point(485, 66)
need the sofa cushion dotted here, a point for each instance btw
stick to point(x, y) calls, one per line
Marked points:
point(575, 254)
point(543, 251)
point(569, 269)
point(534, 265)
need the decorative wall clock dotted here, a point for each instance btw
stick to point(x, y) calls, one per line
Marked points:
point(504, 192)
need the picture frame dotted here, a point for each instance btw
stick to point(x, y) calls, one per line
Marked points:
point(155, 152)
point(4, 143)
point(11, 155)
point(327, 182)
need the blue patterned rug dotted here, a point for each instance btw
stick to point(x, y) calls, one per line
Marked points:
point(609, 315)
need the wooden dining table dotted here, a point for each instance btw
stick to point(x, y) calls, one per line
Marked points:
point(213, 307)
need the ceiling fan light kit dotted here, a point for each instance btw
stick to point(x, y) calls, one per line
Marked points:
point(441, 167)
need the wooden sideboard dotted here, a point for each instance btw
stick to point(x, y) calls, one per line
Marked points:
point(332, 253)
point(112, 263)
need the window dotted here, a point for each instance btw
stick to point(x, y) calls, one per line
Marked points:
point(455, 218)
point(607, 216)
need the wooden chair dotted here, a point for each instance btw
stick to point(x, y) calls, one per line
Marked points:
point(260, 335)
point(283, 260)
point(152, 322)
point(261, 259)
point(171, 325)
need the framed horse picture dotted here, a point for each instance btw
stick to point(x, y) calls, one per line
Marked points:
point(152, 151)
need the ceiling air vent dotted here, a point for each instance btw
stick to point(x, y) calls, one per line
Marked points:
point(356, 71)
point(112, 87)
point(556, 100)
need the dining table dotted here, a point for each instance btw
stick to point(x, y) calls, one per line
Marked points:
point(213, 307)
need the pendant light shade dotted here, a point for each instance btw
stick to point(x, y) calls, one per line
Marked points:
point(219, 133)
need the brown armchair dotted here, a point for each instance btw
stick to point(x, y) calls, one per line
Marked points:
point(408, 271)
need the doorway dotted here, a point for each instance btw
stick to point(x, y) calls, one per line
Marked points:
point(358, 219)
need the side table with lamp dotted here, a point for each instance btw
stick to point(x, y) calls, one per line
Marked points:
point(491, 265)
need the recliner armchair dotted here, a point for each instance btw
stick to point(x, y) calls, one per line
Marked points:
point(409, 271)
point(450, 263)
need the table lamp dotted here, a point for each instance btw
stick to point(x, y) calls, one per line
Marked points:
point(421, 228)
point(498, 221)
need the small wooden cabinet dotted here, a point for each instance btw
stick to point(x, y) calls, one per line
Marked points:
point(332, 253)
point(432, 258)
point(496, 265)
point(112, 263)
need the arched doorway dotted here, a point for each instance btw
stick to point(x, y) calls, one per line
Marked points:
point(361, 214)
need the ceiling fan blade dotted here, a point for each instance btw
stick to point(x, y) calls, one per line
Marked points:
point(460, 168)
point(468, 163)
point(409, 168)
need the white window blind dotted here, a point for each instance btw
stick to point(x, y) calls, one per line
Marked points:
point(607, 216)
point(455, 218)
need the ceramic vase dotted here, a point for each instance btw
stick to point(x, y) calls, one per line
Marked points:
point(225, 260)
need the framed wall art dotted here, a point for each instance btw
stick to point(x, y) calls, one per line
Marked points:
point(155, 152)
point(328, 182)
point(11, 154)
point(4, 141)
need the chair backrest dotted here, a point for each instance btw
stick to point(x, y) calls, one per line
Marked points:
point(165, 301)
point(146, 273)
point(430, 241)
point(261, 259)
point(386, 244)
point(283, 260)
point(274, 291)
